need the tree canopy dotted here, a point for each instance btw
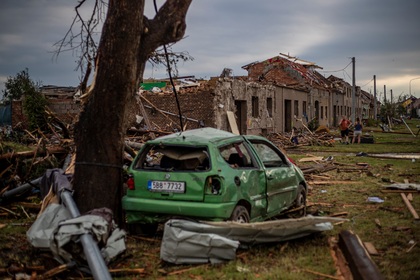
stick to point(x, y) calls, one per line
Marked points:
point(16, 87)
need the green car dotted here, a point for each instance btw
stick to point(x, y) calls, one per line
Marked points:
point(210, 174)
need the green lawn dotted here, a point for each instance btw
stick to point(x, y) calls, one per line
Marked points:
point(388, 225)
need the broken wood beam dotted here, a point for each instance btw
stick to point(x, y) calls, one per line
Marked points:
point(361, 265)
point(409, 206)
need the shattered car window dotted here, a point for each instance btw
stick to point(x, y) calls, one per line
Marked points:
point(174, 158)
point(269, 156)
point(236, 155)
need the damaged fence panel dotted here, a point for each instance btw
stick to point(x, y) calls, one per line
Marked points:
point(183, 246)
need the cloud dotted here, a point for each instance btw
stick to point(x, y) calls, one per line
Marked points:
point(382, 35)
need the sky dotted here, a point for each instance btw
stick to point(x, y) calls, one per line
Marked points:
point(382, 35)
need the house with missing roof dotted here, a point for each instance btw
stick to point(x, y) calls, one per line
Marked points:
point(278, 94)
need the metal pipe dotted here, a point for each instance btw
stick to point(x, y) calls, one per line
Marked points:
point(407, 126)
point(173, 114)
point(21, 188)
point(93, 255)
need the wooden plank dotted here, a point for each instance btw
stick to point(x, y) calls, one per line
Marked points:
point(343, 271)
point(232, 122)
point(370, 248)
point(410, 207)
point(311, 159)
point(399, 191)
point(410, 197)
point(333, 182)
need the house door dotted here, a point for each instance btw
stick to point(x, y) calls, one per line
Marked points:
point(335, 113)
point(241, 115)
point(287, 115)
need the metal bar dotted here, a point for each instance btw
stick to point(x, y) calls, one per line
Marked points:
point(21, 188)
point(361, 265)
point(173, 114)
point(407, 126)
point(90, 248)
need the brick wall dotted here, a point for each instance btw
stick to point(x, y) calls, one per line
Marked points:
point(64, 109)
point(18, 117)
point(196, 106)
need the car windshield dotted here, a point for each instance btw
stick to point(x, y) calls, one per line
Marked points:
point(174, 158)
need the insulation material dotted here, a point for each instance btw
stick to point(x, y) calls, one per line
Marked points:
point(192, 242)
point(181, 244)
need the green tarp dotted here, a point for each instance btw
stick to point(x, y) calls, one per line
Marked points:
point(149, 86)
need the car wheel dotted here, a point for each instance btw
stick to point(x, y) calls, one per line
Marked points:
point(143, 229)
point(300, 202)
point(240, 215)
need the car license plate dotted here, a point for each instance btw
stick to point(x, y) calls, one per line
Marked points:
point(166, 186)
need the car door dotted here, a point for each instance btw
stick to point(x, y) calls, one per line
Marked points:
point(245, 177)
point(280, 176)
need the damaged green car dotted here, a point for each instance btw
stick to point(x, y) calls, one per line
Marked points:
point(210, 174)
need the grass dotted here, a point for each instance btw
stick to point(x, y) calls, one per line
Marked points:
point(295, 259)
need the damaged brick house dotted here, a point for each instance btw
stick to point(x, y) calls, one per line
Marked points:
point(278, 93)
point(301, 93)
point(209, 103)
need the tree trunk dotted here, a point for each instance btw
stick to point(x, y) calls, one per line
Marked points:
point(128, 38)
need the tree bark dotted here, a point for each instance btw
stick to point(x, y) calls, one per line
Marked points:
point(125, 46)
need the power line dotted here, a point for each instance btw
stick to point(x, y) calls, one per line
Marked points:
point(367, 83)
point(336, 70)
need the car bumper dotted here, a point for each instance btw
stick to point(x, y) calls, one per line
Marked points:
point(150, 210)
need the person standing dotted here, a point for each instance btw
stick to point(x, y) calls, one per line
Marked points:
point(344, 128)
point(357, 131)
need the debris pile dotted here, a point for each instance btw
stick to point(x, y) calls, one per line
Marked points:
point(290, 140)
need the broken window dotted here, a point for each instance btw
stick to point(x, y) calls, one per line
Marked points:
point(269, 156)
point(174, 158)
point(304, 108)
point(236, 155)
point(296, 108)
point(255, 107)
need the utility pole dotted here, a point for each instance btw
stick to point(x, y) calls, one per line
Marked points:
point(391, 96)
point(353, 91)
point(374, 98)
point(384, 93)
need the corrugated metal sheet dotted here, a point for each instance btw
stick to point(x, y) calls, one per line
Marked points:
point(6, 114)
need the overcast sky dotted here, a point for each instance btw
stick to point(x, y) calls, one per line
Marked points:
point(382, 35)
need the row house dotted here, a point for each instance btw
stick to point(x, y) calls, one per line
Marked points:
point(278, 94)
point(302, 94)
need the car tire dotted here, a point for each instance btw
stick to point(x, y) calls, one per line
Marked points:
point(240, 215)
point(300, 201)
